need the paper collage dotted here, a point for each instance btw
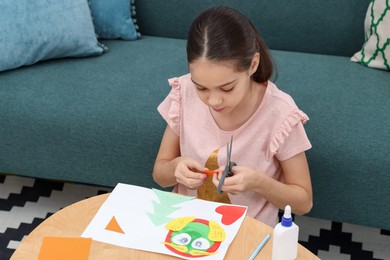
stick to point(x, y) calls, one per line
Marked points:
point(165, 222)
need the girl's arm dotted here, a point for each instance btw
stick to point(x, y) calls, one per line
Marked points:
point(165, 164)
point(171, 168)
point(296, 190)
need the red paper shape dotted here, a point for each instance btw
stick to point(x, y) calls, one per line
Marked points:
point(230, 214)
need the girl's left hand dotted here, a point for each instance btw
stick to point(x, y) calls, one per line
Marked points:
point(243, 179)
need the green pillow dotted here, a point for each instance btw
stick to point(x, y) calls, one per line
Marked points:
point(35, 30)
point(375, 52)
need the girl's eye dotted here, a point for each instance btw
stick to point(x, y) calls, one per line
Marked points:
point(200, 88)
point(227, 89)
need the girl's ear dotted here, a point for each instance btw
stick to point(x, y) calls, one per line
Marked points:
point(255, 63)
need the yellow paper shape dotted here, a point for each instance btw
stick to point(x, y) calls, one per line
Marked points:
point(201, 253)
point(216, 231)
point(179, 223)
point(114, 226)
point(65, 248)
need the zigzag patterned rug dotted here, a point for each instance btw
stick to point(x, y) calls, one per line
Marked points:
point(26, 202)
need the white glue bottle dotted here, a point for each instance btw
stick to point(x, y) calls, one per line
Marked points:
point(285, 238)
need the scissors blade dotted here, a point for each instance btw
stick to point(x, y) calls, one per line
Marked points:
point(229, 151)
point(228, 167)
point(230, 147)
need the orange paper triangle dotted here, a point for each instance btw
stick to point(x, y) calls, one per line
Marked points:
point(114, 226)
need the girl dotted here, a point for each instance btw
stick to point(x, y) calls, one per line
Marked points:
point(228, 93)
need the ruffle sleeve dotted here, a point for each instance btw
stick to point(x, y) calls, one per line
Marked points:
point(285, 129)
point(170, 107)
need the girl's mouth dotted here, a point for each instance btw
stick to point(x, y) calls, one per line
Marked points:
point(218, 109)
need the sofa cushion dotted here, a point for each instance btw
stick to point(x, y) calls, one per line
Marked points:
point(91, 120)
point(37, 30)
point(113, 19)
point(375, 52)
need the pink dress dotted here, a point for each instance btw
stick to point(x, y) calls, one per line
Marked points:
point(274, 133)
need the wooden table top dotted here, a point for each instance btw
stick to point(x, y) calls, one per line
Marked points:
point(72, 221)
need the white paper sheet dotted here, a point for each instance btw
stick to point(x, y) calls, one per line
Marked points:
point(165, 222)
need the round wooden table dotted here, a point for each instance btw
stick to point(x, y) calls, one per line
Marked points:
point(72, 221)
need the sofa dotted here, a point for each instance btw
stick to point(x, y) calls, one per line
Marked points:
point(93, 118)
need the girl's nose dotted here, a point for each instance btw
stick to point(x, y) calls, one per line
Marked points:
point(214, 100)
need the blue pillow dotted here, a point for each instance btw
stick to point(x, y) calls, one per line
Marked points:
point(113, 19)
point(35, 30)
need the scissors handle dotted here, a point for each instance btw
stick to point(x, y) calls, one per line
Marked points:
point(226, 173)
point(231, 165)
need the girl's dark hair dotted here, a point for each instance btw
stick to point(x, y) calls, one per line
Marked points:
point(222, 33)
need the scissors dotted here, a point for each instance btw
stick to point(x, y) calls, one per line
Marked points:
point(229, 165)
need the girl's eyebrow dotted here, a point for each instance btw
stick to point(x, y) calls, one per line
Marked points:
point(220, 86)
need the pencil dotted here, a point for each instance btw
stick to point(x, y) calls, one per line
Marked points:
point(261, 245)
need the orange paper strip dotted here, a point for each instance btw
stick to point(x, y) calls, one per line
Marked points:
point(209, 172)
point(65, 248)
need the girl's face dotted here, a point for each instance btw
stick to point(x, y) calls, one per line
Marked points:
point(220, 86)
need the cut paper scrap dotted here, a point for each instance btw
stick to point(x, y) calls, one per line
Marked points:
point(167, 204)
point(114, 226)
point(170, 198)
point(160, 214)
point(65, 248)
point(230, 214)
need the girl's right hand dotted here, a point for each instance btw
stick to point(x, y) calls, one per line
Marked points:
point(189, 173)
